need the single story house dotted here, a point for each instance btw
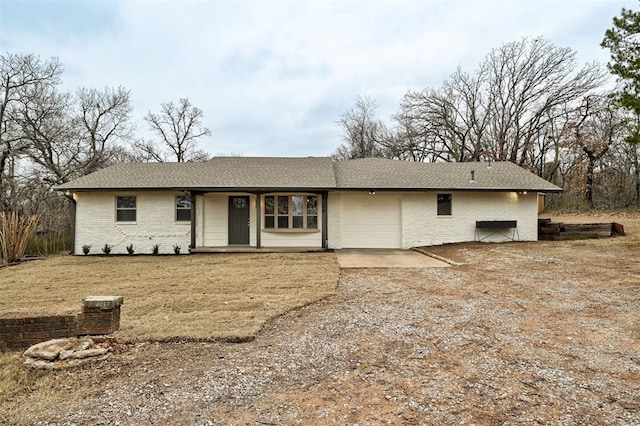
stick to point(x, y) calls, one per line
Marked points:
point(311, 202)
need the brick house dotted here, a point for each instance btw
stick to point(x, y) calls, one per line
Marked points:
point(311, 202)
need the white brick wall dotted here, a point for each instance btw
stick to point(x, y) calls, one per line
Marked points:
point(96, 223)
point(422, 226)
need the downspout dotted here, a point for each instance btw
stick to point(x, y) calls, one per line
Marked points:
point(192, 196)
point(325, 221)
point(69, 195)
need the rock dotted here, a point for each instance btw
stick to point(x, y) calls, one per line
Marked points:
point(80, 346)
point(62, 353)
point(48, 350)
point(89, 353)
point(57, 365)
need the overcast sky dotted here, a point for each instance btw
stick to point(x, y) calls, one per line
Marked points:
point(274, 77)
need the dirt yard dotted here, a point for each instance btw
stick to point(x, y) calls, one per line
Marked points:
point(522, 333)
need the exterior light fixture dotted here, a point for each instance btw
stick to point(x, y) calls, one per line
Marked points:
point(372, 192)
point(473, 176)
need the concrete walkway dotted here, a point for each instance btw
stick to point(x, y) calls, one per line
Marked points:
point(386, 258)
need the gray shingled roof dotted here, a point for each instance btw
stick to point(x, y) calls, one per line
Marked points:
point(219, 173)
point(265, 173)
point(379, 173)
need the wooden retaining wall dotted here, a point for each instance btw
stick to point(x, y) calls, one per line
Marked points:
point(548, 230)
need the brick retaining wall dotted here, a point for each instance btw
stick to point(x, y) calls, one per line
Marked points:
point(100, 315)
point(21, 330)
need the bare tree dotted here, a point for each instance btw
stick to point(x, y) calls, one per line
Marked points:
point(362, 133)
point(20, 77)
point(72, 136)
point(506, 110)
point(527, 81)
point(449, 122)
point(47, 130)
point(179, 127)
point(102, 122)
point(593, 128)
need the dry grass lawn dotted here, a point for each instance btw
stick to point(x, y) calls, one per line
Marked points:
point(196, 297)
point(521, 333)
point(199, 297)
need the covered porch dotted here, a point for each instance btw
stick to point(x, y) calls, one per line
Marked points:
point(258, 221)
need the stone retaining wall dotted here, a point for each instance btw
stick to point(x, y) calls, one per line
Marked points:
point(100, 315)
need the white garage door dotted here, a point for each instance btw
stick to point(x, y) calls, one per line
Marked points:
point(371, 221)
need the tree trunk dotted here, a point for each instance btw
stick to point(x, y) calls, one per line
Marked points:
point(589, 182)
point(636, 164)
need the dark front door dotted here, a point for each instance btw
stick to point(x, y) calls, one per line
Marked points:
point(238, 220)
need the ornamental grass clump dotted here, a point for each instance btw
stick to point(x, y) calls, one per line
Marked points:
point(15, 232)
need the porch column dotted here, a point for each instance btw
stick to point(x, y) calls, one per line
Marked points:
point(258, 219)
point(325, 221)
point(192, 196)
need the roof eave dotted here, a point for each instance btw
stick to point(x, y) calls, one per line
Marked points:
point(466, 189)
point(256, 189)
point(201, 189)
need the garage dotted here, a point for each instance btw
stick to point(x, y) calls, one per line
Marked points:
point(371, 221)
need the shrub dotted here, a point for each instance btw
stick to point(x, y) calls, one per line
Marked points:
point(47, 243)
point(106, 249)
point(176, 249)
point(15, 233)
point(155, 249)
point(86, 249)
point(130, 249)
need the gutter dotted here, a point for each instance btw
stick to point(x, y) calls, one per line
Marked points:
point(466, 189)
point(305, 189)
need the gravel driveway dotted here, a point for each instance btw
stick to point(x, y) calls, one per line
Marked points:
point(555, 343)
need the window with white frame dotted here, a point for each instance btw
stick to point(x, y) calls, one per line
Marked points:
point(291, 212)
point(126, 209)
point(183, 208)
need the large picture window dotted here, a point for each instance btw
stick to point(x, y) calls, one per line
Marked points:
point(183, 208)
point(444, 204)
point(126, 209)
point(291, 212)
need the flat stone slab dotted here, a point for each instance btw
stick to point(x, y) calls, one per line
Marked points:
point(68, 352)
point(103, 302)
point(386, 258)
